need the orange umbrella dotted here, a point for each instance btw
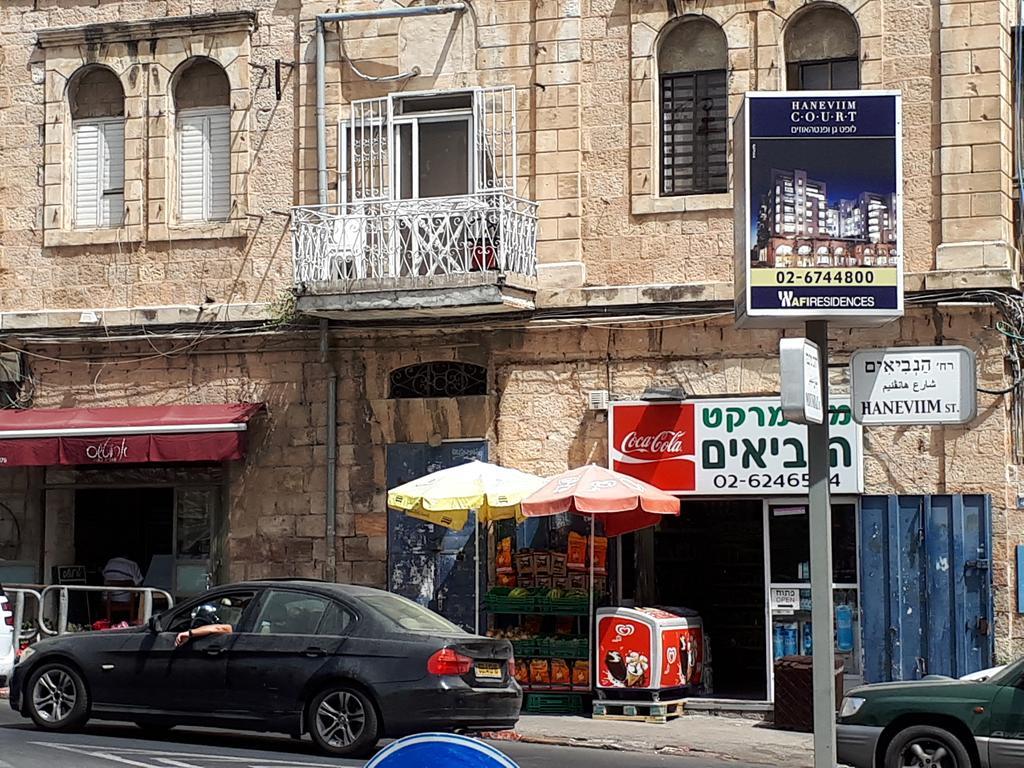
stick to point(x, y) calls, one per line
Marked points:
point(624, 503)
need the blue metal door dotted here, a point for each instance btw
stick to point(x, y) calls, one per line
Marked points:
point(428, 563)
point(926, 586)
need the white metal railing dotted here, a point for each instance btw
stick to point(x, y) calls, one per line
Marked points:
point(64, 594)
point(17, 595)
point(422, 238)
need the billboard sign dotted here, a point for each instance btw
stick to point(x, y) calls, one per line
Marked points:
point(914, 385)
point(818, 232)
point(729, 447)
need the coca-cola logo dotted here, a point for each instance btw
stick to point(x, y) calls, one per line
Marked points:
point(666, 445)
point(624, 630)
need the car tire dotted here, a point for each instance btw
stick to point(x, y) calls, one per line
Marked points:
point(56, 698)
point(342, 721)
point(919, 744)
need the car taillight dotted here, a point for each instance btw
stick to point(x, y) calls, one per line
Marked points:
point(449, 662)
point(5, 608)
point(511, 666)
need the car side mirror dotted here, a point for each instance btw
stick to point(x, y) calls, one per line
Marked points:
point(154, 625)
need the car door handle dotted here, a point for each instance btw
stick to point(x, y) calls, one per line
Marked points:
point(314, 652)
point(215, 650)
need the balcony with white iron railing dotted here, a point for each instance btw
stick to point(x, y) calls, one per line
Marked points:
point(442, 255)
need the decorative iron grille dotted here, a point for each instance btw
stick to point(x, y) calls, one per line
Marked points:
point(439, 379)
point(694, 133)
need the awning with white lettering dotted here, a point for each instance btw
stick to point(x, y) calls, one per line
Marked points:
point(38, 437)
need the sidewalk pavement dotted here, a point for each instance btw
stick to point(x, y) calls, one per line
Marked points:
point(732, 738)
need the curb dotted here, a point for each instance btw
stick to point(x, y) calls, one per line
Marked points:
point(625, 746)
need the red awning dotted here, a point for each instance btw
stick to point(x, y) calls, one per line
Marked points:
point(160, 433)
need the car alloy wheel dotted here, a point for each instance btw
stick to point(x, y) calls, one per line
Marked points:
point(54, 695)
point(924, 754)
point(340, 719)
point(926, 746)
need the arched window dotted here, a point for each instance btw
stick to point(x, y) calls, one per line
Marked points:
point(822, 51)
point(202, 105)
point(96, 101)
point(439, 379)
point(694, 104)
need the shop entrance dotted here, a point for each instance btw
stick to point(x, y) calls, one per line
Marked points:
point(711, 559)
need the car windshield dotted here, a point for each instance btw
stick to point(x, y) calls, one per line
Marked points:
point(1009, 674)
point(410, 616)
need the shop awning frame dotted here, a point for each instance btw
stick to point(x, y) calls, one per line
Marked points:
point(156, 429)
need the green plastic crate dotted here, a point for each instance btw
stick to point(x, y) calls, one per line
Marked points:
point(554, 703)
point(497, 599)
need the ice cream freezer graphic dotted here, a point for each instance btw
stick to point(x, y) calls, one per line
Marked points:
point(649, 649)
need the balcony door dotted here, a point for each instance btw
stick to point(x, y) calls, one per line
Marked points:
point(434, 156)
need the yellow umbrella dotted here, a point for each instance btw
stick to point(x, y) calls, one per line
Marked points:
point(446, 497)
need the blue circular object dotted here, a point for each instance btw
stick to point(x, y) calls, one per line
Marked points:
point(427, 750)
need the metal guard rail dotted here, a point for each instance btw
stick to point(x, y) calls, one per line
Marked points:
point(64, 591)
point(18, 594)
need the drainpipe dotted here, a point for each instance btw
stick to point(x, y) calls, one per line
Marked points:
point(321, 78)
point(331, 566)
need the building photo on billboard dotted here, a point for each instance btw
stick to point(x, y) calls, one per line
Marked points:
point(818, 208)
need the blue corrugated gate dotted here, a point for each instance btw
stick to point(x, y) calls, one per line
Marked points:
point(926, 586)
point(429, 563)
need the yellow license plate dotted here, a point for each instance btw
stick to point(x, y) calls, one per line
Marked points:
point(489, 671)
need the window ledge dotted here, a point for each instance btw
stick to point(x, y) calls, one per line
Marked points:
point(217, 230)
point(66, 238)
point(719, 201)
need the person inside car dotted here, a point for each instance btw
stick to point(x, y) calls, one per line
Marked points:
point(205, 621)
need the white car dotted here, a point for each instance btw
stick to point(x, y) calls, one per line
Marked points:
point(983, 675)
point(6, 639)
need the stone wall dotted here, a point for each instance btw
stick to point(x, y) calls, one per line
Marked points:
point(585, 73)
point(535, 417)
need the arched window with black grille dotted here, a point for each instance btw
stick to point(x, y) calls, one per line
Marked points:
point(438, 379)
point(694, 107)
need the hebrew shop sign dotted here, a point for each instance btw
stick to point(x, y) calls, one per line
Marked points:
point(729, 447)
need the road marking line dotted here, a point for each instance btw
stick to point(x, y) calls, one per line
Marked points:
point(176, 763)
point(105, 752)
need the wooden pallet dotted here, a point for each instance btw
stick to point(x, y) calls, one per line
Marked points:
point(638, 711)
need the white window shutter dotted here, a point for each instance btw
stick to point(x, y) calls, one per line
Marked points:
point(204, 164)
point(112, 175)
point(86, 174)
point(219, 207)
point(191, 166)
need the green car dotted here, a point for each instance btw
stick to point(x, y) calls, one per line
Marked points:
point(936, 723)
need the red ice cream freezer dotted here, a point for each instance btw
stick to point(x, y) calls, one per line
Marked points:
point(649, 649)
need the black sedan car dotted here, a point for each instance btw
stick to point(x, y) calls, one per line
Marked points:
point(348, 665)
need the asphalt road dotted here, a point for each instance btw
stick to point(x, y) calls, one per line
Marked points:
point(112, 745)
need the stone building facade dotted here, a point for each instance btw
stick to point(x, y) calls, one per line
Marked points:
point(633, 286)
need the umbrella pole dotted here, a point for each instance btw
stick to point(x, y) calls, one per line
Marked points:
point(476, 581)
point(590, 616)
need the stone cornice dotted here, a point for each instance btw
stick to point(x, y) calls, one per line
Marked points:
point(127, 31)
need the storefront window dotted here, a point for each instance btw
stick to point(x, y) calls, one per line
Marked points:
point(194, 514)
point(790, 594)
point(789, 528)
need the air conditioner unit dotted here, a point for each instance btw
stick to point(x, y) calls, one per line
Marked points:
point(597, 399)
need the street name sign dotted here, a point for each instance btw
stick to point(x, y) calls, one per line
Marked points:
point(914, 385)
point(800, 368)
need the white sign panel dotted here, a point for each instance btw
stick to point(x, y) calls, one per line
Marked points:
point(800, 368)
point(729, 447)
point(784, 600)
point(914, 385)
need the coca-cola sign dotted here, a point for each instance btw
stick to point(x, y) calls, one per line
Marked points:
point(655, 445)
point(730, 447)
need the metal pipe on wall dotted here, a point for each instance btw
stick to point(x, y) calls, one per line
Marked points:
point(331, 508)
point(321, 67)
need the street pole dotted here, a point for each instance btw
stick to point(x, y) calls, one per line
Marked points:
point(820, 516)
